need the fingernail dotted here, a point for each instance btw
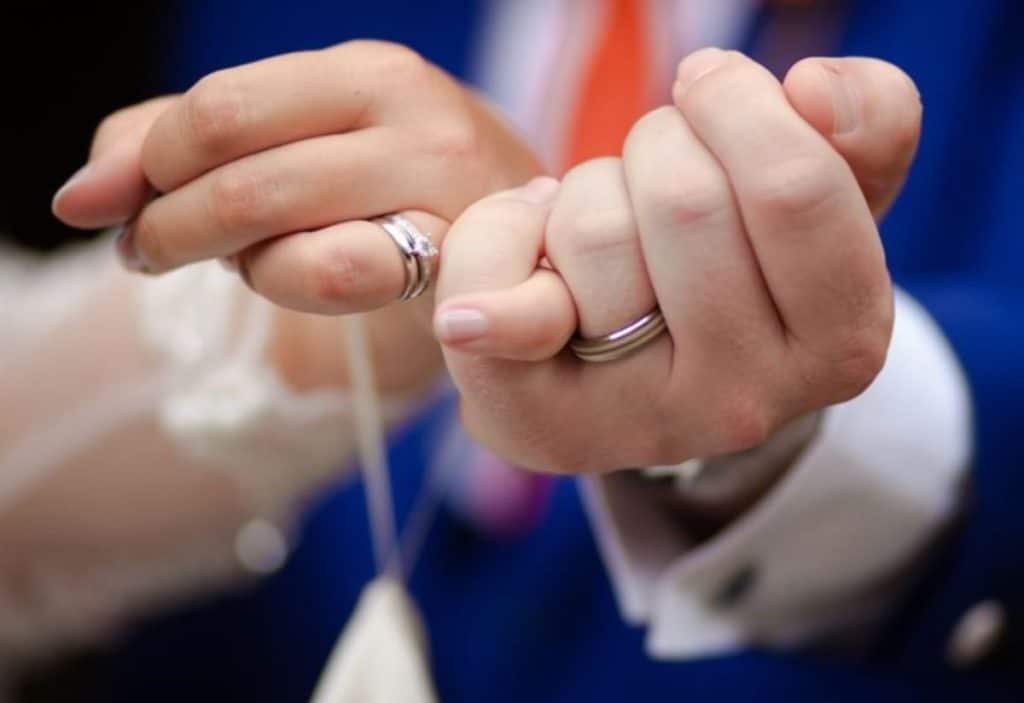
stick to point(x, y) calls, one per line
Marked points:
point(124, 245)
point(845, 114)
point(696, 65)
point(460, 325)
point(540, 191)
point(77, 177)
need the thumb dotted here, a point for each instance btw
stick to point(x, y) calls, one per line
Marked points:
point(111, 188)
point(494, 299)
point(869, 110)
point(532, 321)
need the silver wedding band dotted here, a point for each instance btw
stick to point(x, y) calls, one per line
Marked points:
point(622, 342)
point(417, 253)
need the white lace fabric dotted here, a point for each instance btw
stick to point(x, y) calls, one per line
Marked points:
point(142, 432)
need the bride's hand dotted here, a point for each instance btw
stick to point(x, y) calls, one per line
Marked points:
point(308, 145)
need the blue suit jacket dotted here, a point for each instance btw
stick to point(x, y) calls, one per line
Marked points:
point(534, 619)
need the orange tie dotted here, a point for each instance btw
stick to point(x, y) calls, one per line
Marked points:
point(616, 87)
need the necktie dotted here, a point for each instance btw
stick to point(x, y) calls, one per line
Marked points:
point(615, 89)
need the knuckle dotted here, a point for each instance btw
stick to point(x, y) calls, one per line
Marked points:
point(456, 144)
point(797, 188)
point(863, 357)
point(728, 84)
point(214, 112)
point(648, 134)
point(498, 215)
point(239, 199)
point(397, 62)
point(338, 276)
point(581, 180)
point(690, 200)
point(111, 126)
point(744, 419)
point(589, 233)
point(851, 361)
point(678, 197)
point(653, 123)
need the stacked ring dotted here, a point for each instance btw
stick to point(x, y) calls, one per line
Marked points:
point(417, 253)
point(621, 342)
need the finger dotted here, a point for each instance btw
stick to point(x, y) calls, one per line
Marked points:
point(810, 227)
point(593, 243)
point(492, 298)
point(250, 108)
point(870, 112)
point(701, 265)
point(298, 187)
point(498, 242)
point(509, 405)
point(531, 321)
point(129, 120)
point(348, 267)
point(111, 187)
point(492, 248)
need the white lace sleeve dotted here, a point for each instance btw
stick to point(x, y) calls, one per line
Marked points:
point(147, 448)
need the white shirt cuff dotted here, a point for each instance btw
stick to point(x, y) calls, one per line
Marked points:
point(829, 543)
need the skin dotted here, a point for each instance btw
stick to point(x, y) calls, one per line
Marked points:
point(307, 145)
point(746, 211)
point(739, 212)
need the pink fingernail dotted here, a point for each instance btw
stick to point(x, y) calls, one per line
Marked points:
point(124, 245)
point(460, 325)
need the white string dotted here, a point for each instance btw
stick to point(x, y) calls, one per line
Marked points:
point(372, 448)
point(424, 511)
point(394, 556)
point(372, 451)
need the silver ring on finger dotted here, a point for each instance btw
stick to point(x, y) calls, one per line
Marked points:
point(622, 342)
point(417, 250)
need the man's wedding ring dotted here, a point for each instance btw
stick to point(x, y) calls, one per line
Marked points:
point(621, 342)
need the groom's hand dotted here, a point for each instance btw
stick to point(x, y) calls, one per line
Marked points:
point(745, 213)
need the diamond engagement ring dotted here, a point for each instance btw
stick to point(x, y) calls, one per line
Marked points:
point(417, 253)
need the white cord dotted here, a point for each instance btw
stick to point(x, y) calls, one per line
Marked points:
point(372, 451)
point(372, 448)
